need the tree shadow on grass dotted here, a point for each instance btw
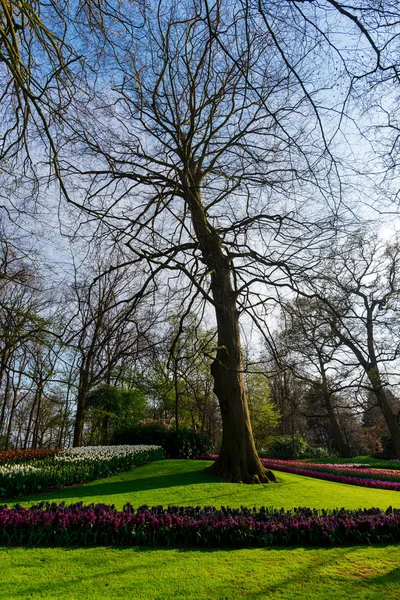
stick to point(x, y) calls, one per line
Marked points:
point(129, 483)
point(391, 577)
point(343, 579)
point(285, 577)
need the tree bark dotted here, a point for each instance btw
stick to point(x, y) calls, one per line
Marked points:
point(339, 442)
point(238, 460)
point(83, 392)
point(384, 404)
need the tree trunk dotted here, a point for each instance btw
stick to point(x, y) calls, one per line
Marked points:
point(339, 442)
point(28, 429)
point(83, 392)
point(238, 460)
point(35, 433)
point(5, 402)
point(11, 419)
point(63, 421)
point(3, 364)
point(176, 391)
point(384, 404)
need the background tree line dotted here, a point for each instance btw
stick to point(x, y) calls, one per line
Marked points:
point(85, 357)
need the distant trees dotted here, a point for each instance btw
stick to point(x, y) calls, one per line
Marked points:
point(360, 294)
point(190, 352)
point(55, 346)
point(138, 370)
point(264, 414)
point(342, 332)
point(311, 351)
point(24, 341)
point(105, 328)
point(109, 409)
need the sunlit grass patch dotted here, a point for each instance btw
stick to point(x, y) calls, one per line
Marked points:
point(185, 483)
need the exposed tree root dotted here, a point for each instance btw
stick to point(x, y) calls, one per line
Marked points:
point(241, 474)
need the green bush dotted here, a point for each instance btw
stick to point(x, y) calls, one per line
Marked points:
point(181, 443)
point(388, 449)
point(287, 447)
point(312, 452)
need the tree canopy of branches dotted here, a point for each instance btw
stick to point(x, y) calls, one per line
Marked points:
point(211, 133)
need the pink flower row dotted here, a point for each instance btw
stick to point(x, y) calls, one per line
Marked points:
point(358, 472)
point(291, 467)
point(362, 481)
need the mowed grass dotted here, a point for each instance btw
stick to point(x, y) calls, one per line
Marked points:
point(171, 574)
point(185, 483)
point(365, 573)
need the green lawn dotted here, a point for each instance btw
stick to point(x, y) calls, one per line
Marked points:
point(161, 574)
point(184, 482)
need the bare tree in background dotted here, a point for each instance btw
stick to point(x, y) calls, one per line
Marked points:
point(28, 348)
point(310, 353)
point(360, 293)
point(104, 328)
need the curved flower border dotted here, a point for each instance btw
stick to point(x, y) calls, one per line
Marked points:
point(374, 478)
point(77, 524)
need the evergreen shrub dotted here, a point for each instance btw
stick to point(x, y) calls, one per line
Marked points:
point(287, 447)
point(177, 443)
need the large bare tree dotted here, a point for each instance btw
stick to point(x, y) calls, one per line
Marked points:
point(203, 150)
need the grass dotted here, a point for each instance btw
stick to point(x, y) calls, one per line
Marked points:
point(185, 483)
point(167, 574)
point(363, 573)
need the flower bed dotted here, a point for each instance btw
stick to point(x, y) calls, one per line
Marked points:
point(73, 466)
point(20, 456)
point(375, 478)
point(60, 525)
point(339, 469)
point(100, 453)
